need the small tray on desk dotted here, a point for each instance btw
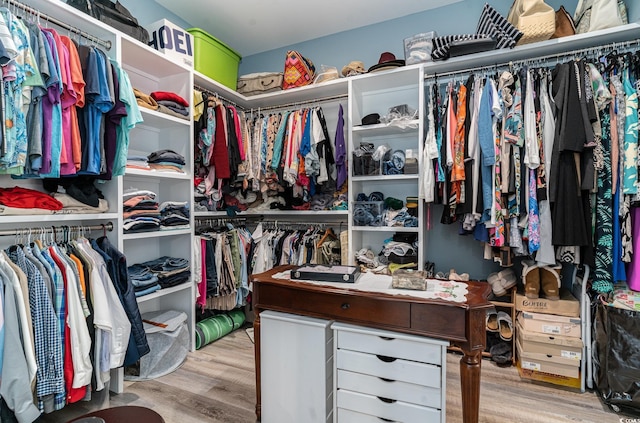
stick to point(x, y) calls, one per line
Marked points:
point(319, 272)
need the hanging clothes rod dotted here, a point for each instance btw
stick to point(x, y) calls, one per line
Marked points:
point(302, 103)
point(599, 50)
point(30, 10)
point(50, 230)
point(216, 95)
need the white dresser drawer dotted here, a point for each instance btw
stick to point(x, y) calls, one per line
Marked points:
point(392, 344)
point(348, 416)
point(396, 369)
point(394, 410)
point(391, 389)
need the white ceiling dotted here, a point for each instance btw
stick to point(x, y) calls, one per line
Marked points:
point(254, 26)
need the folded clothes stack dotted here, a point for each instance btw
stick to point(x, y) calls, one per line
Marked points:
point(140, 211)
point(164, 102)
point(173, 102)
point(174, 215)
point(166, 160)
point(138, 162)
point(163, 272)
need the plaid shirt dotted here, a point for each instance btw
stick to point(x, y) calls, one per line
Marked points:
point(49, 377)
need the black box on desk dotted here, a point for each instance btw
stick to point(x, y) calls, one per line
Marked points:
point(323, 273)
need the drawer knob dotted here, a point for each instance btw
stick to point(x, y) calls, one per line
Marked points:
point(387, 400)
point(386, 338)
point(385, 420)
point(386, 380)
point(345, 306)
point(386, 358)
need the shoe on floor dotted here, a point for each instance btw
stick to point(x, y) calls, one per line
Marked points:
point(550, 281)
point(505, 326)
point(501, 353)
point(531, 279)
point(492, 321)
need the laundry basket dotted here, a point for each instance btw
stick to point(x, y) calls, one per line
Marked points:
point(168, 338)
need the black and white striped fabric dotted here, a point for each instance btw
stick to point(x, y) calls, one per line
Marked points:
point(495, 25)
point(492, 25)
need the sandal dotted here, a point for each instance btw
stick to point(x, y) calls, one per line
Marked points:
point(505, 325)
point(492, 321)
point(550, 281)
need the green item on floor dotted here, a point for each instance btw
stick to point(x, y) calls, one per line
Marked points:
point(213, 328)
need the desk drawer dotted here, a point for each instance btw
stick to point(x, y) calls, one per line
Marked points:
point(342, 307)
point(389, 368)
point(391, 344)
point(382, 409)
point(391, 389)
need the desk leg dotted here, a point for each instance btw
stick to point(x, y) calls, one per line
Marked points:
point(256, 338)
point(470, 384)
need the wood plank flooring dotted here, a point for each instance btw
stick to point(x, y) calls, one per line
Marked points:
point(216, 385)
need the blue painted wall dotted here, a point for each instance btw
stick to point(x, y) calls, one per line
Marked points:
point(366, 43)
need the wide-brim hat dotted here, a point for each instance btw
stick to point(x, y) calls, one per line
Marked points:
point(387, 61)
point(353, 68)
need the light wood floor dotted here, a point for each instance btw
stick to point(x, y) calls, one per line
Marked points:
point(216, 385)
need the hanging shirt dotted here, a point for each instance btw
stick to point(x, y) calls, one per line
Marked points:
point(341, 151)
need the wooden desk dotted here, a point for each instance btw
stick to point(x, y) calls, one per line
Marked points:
point(463, 324)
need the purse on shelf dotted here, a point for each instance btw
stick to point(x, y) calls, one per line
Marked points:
point(592, 15)
point(298, 71)
point(564, 24)
point(534, 18)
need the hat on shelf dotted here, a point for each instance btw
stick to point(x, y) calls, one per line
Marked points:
point(387, 61)
point(371, 119)
point(353, 68)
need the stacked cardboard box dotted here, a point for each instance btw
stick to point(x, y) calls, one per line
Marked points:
point(549, 339)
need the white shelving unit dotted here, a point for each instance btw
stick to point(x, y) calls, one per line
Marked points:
point(377, 93)
point(151, 71)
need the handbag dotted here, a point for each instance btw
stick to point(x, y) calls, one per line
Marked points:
point(592, 15)
point(298, 71)
point(564, 24)
point(535, 18)
point(114, 15)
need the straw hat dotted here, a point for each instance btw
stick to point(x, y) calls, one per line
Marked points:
point(353, 68)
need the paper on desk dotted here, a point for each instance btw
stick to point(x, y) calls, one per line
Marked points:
point(370, 282)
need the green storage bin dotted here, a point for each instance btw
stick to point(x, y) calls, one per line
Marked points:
point(214, 58)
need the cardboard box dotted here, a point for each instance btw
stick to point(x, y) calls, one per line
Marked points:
point(567, 305)
point(550, 324)
point(172, 40)
point(552, 345)
point(545, 364)
point(567, 382)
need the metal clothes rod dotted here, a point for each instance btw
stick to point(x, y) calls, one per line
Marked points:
point(105, 43)
point(303, 103)
point(49, 230)
point(539, 59)
point(216, 95)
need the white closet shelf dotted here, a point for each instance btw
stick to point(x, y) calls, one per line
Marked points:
point(164, 292)
point(155, 234)
point(157, 174)
point(558, 46)
point(158, 120)
point(306, 94)
point(385, 129)
point(385, 178)
point(383, 229)
point(136, 55)
point(51, 218)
